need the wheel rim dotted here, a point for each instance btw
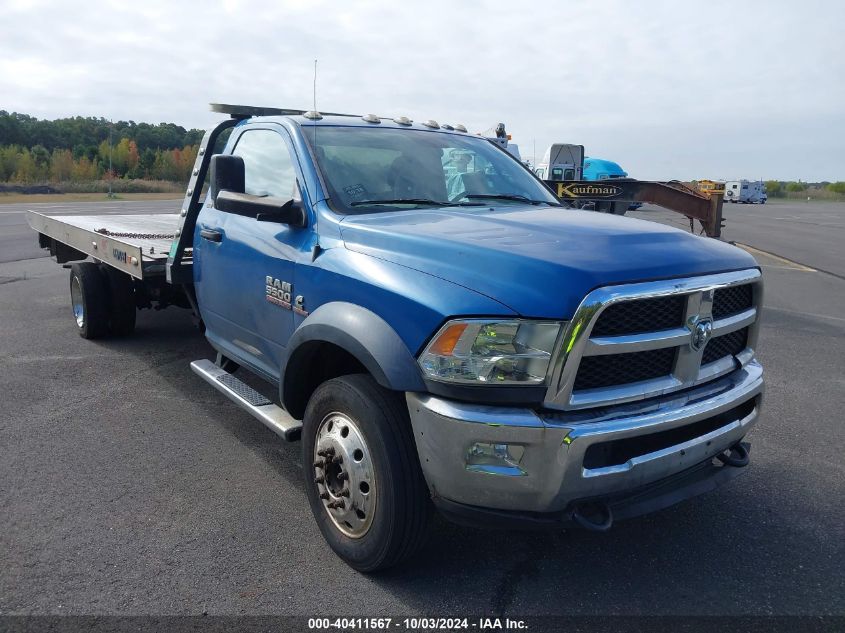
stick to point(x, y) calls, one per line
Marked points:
point(76, 302)
point(344, 475)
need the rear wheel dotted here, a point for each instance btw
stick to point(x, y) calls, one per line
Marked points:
point(362, 473)
point(89, 299)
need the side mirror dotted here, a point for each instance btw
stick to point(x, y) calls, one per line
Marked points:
point(262, 208)
point(227, 174)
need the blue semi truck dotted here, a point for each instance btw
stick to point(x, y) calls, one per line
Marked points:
point(436, 328)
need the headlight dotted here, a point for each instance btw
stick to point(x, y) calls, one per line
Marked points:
point(491, 352)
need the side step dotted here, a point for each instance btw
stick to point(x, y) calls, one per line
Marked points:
point(271, 415)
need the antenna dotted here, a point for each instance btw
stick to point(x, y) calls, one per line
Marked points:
point(314, 104)
point(315, 85)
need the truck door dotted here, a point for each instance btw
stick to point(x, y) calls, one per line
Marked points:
point(244, 272)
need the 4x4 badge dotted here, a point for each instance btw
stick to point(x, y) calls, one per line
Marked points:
point(299, 305)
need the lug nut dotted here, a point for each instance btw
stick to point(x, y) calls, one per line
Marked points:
point(320, 463)
point(324, 495)
point(326, 452)
point(336, 504)
point(344, 492)
point(319, 480)
point(338, 459)
point(343, 476)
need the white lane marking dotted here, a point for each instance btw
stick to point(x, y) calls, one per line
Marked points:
point(789, 263)
point(809, 314)
point(797, 270)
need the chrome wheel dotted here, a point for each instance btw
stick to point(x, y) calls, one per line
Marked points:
point(344, 475)
point(76, 302)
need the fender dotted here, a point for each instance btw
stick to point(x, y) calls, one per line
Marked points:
point(364, 335)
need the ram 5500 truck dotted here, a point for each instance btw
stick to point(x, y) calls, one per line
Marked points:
point(439, 329)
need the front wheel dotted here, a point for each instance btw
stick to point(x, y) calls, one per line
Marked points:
point(362, 473)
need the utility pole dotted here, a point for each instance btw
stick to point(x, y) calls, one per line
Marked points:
point(111, 174)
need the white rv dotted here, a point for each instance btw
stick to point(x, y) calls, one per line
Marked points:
point(746, 192)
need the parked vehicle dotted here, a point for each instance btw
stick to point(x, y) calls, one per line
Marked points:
point(438, 330)
point(710, 187)
point(498, 136)
point(601, 169)
point(746, 192)
point(562, 161)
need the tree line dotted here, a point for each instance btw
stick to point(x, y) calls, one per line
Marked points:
point(78, 149)
point(39, 165)
point(779, 189)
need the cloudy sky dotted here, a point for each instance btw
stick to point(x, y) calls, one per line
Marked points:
point(668, 89)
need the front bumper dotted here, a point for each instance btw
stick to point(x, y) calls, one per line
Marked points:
point(527, 461)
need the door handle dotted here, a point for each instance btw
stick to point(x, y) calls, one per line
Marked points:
point(211, 235)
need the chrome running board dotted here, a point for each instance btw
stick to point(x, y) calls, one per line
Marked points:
point(271, 415)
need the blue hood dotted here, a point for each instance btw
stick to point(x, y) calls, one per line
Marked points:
point(539, 261)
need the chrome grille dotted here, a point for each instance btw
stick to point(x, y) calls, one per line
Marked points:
point(628, 343)
point(732, 300)
point(727, 345)
point(645, 315)
point(622, 369)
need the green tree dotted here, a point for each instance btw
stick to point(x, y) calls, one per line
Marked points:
point(27, 169)
point(8, 162)
point(120, 157)
point(61, 165)
point(796, 186)
point(837, 187)
point(774, 189)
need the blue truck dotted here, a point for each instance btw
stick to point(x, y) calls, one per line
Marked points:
point(436, 328)
point(602, 169)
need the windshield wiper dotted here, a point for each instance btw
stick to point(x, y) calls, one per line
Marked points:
point(418, 201)
point(506, 196)
point(361, 203)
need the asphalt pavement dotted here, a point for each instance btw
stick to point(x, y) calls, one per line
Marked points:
point(128, 486)
point(809, 233)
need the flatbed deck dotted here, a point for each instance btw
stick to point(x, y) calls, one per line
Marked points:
point(136, 244)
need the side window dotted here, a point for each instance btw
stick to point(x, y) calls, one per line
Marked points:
point(268, 169)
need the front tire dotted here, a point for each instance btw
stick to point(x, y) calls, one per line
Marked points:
point(89, 299)
point(362, 474)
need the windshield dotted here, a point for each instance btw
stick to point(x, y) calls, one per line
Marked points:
point(373, 169)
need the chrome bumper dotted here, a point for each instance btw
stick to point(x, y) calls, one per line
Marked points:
point(534, 461)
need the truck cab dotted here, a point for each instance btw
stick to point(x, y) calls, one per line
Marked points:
point(442, 333)
point(438, 267)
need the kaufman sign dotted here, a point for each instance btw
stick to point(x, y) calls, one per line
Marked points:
point(586, 190)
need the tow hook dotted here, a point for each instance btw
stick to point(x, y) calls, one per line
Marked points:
point(737, 455)
point(596, 517)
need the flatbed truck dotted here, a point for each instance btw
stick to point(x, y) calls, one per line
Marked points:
point(438, 336)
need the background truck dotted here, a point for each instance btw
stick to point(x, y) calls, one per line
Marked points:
point(564, 161)
point(746, 192)
point(436, 334)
